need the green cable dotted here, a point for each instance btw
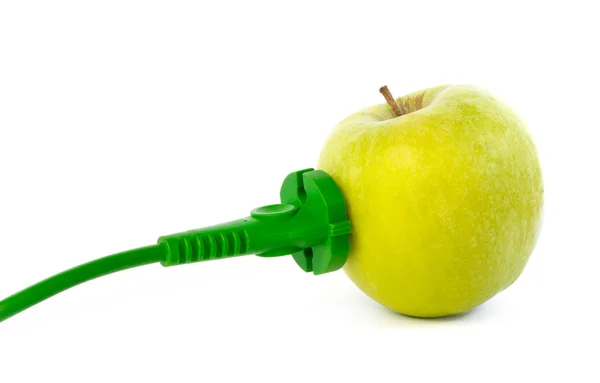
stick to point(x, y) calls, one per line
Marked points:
point(310, 223)
point(77, 275)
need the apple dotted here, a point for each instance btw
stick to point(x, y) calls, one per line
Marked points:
point(445, 194)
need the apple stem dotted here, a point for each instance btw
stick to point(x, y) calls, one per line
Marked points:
point(391, 101)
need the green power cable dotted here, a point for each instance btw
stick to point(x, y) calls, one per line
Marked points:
point(310, 223)
point(77, 275)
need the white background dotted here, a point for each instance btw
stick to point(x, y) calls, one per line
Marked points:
point(121, 121)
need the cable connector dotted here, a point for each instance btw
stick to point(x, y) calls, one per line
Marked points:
point(310, 223)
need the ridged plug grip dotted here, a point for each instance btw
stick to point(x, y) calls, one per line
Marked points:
point(310, 223)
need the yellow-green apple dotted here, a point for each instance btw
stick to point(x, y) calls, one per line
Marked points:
point(445, 200)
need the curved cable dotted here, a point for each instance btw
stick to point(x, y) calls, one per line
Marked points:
point(60, 282)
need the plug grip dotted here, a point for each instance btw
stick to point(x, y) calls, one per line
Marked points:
point(310, 223)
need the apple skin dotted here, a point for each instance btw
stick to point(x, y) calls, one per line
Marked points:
point(445, 201)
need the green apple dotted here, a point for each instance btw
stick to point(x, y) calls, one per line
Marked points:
point(445, 200)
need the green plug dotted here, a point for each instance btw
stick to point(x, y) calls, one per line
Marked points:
point(310, 223)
